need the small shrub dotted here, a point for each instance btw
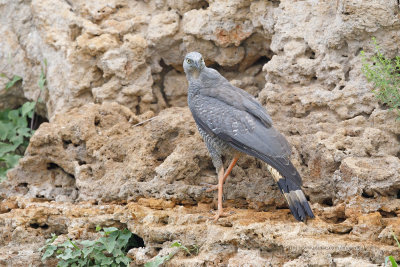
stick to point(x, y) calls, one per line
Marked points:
point(14, 135)
point(108, 250)
point(385, 75)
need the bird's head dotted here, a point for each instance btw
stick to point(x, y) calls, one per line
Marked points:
point(193, 64)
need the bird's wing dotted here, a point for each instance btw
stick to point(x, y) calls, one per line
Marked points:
point(245, 132)
point(216, 86)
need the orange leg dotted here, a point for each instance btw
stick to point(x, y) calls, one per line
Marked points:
point(233, 163)
point(228, 171)
point(220, 186)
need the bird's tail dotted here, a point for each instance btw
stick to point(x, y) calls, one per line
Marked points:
point(295, 197)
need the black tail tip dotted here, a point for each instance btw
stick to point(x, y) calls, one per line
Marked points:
point(301, 210)
point(296, 199)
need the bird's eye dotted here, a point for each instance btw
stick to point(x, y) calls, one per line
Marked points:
point(189, 61)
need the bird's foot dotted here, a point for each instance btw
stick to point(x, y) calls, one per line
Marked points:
point(219, 214)
point(209, 187)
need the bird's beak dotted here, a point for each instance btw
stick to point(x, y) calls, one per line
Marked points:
point(198, 65)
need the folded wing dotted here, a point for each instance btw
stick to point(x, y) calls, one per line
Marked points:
point(245, 131)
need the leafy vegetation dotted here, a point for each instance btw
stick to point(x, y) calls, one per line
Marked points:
point(108, 250)
point(391, 258)
point(14, 130)
point(14, 135)
point(385, 75)
point(159, 260)
point(11, 81)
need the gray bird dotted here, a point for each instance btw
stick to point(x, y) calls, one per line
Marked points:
point(233, 122)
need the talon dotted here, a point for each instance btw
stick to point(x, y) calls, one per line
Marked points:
point(219, 214)
point(209, 187)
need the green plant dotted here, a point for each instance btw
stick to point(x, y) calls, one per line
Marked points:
point(391, 258)
point(42, 80)
point(108, 250)
point(11, 81)
point(158, 260)
point(14, 135)
point(14, 130)
point(385, 75)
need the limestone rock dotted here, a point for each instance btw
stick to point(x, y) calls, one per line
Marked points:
point(175, 89)
point(261, 238)
point(163, 25)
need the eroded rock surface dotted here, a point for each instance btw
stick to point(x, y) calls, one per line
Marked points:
point(113, 64)
point(246, 237)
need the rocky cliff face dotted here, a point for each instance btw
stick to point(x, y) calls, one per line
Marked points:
point(112, 64)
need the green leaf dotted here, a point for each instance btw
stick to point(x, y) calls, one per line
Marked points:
point(397, 241)
point(76, 254)
point(392, 261)
point(48, 241)
point(179, 245)
point(66, 244)
point(6, 148)
point(13, 115)
point(123, 259)
point(11, 160)
point(117, 252)
point(86, 251)
point(27, 109)
point(98, 228)
point(83, 262)
point(124, 237)
point(62, 263)
point(88, 243)
point(66, 255)
point(109, 242)
point(3, 174)
point(49, 252)
point(52, 239)
point(11, 83)
point(99, 257)
point(4, 115)
point(3, 75)
point(42, 80)
point(73, 244)
point(16, 140)
point(158, 261)
point(21, 122)
point(7, 129)
point(26, 132)
point(106, 261)
point(109, 230)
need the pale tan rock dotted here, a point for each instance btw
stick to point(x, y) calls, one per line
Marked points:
point(94, 45)
point(175, 88)
point(163, 25)
point(223, 30)
point(248, 258)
